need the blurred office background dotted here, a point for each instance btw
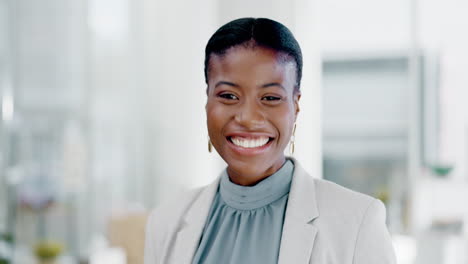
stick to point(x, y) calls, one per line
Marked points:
point(102, 117)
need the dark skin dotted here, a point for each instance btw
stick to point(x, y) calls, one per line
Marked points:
point(251, 94)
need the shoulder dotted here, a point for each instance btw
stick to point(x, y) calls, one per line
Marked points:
point(353, 221)
point(336, 201)
point(335, 195)
point(162, 222)
point(330, 200)
point(173, 208)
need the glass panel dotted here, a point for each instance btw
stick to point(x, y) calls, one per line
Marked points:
point(364, 124)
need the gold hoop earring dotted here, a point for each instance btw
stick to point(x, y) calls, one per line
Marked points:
point(292, 142)
point(210, 146)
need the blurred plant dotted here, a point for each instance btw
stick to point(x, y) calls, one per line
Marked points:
point(6, 244)
point(383, 194)
point(441, 170)
point(7, 237)
point(47, 251)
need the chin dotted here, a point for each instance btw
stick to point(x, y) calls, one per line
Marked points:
point(249, 164)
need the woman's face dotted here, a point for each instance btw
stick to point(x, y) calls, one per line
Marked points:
point(251, 110)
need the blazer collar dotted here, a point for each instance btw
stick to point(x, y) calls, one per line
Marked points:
point(298, 235)
point(190, 231)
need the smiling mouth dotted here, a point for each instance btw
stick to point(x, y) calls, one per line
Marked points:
point(250, 142)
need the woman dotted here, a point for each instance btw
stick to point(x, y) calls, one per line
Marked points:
point(263, 208)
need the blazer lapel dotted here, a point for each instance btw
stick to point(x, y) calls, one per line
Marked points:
point(191, 229)
point(298, 235)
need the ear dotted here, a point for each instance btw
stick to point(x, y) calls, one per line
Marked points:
point(297, 97)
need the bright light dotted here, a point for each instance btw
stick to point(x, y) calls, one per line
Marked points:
point(7, 107)
point(109, 19)
point(108, 256)
point(405, 248)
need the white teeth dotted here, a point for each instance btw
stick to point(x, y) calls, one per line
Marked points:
point(249, 143)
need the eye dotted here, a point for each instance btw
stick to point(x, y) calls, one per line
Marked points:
point(228, 96)
point(271, 98)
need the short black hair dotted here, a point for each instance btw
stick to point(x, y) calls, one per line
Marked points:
point(261, 32)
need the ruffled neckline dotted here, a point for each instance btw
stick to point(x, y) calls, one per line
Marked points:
point(263, 193)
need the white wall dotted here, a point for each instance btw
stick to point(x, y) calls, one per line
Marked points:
point(174, 37)
point(363, 26)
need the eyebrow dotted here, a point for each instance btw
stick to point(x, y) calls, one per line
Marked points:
point(262, 86)
point(273, 84)
point(226, 83)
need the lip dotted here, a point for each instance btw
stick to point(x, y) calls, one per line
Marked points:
point(249, 135)
point(249, 151)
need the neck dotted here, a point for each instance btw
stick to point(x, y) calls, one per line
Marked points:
point(251, 177)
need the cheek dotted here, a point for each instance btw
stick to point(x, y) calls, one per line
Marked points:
point(284, 121)
point(286, 129)
point(216, 119)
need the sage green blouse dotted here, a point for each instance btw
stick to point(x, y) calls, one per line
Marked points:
point(245, 223)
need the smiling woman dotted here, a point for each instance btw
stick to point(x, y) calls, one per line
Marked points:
point(251, 109)
point(264, 207)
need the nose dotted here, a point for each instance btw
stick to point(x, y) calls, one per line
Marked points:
point(250, 115)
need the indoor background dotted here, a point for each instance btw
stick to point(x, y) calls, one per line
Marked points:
point(102, 117)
